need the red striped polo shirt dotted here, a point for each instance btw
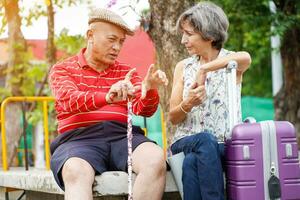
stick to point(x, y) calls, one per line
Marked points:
point(80, 92)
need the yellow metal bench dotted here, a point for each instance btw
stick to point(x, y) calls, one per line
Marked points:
point(40, 184)
point(45, 101)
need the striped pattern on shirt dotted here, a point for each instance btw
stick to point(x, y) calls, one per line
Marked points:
point(80, 93)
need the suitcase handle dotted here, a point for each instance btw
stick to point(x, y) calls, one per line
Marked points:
point(232, 95)
point(250, 120)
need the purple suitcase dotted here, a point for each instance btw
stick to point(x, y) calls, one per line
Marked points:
point(256, 151)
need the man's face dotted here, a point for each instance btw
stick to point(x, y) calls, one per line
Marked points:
point(106, 41)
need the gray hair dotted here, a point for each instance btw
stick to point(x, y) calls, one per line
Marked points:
point(209, 20)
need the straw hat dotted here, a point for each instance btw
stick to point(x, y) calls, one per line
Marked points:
point(101, 14)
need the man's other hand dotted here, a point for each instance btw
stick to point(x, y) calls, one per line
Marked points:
point(153, 79)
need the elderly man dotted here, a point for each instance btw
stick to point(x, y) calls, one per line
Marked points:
point(91, 91)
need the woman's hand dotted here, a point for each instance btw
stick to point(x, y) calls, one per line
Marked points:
point(196, 96)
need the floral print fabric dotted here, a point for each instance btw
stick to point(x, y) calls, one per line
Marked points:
point(212, 115)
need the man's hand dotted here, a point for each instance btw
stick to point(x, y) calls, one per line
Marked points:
point(153, 79)
point(121, 90)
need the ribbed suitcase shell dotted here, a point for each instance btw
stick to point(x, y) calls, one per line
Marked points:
point(245, 162)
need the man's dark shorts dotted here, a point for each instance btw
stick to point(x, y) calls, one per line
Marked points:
point(103, 146)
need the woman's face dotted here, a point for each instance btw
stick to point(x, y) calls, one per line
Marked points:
point(192, 40)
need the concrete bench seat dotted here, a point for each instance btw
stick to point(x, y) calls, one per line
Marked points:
point(40, 184)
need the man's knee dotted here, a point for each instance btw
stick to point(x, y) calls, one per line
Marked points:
point(156, 163)
point(151, 161)
point(77, 170)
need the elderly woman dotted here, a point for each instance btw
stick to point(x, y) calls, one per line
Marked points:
point(198, 104)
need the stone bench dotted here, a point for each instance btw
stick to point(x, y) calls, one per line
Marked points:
point(40, 184)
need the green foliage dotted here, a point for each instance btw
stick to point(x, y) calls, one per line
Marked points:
point(38, 10)
point(4, 92)
point(62, 3)
point(3, 21)
point(37, 115)
point(32, 77)
point(287, 16)
point(30, 73)
point(70, 44)
point(26, 72)
point(250, 30)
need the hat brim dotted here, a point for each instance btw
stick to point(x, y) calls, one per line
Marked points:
point(122, 26)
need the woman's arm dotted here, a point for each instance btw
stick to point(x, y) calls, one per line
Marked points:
point(179, 107)
point(176, 115)
point(243, 59)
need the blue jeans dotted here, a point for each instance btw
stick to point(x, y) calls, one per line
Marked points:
point(202, 173)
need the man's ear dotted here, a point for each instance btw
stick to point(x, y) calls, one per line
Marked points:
point(89, 35)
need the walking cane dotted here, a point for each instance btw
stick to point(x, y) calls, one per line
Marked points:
point(129, 139)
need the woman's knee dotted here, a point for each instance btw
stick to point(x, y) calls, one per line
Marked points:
point(189, 162)
point(206, 137)
point(207, 141)
point(77, 170)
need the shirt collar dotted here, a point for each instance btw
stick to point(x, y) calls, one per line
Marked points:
point(222, 53)
point(81, 59)
point(83, 63)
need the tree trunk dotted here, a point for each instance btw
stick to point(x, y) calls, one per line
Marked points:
point(16, 47)
point(14, 131)
point(51, 49)
point(169, 50)
point(287, 101)
point(16, 53)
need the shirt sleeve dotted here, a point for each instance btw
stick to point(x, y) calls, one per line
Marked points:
point(67, 94)
point(144, 107)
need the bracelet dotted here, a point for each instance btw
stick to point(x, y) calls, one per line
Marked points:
point(181, 108)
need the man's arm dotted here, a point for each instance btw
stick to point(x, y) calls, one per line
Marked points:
point(146, 106)
point(69, 97)
point(131, 87)
point(147, 99)
point(143, 93)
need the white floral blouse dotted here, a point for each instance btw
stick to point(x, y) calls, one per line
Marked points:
point(212, 114)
